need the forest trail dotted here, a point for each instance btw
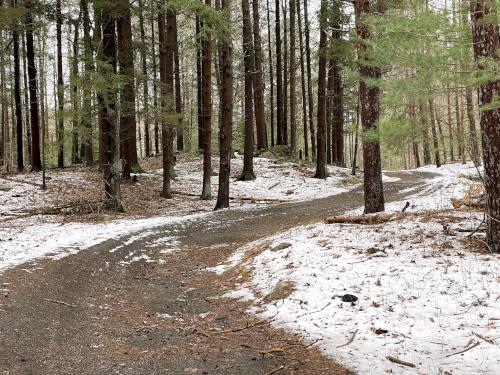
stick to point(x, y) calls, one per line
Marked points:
point(96, 312)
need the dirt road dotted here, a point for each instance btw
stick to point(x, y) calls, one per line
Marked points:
point(97, 313)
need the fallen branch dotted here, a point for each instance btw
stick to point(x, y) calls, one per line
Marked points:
point(400, 362)
point(351, 339)
point(50, 211)
point(361, 219)
point(467, 348)
point(275, 370)
point(60, 302)
point(484, 338)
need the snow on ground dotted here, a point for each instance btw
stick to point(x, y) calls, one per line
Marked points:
point(23, 242)
point(275, 179)
point(28, 238)
point(424, 296)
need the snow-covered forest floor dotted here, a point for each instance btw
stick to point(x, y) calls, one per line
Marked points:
point(428, 289)
point(66, 217)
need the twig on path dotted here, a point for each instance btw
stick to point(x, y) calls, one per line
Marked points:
point(239, 329)
point(467, 348)
point(484, 338)
point(351, 339)
point(275, 370)
point(60, 302)
point(400, 362)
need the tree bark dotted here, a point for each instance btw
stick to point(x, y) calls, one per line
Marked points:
point(167, 41)
point(370, 111)
point(271, 75)
point(309, 80)
point(206, 101)
point(155, 88)
point(486, 38)
point(128, 124)
point(106, 97)
point(279, 81)
point(321, 146)
point(199, 80)
point(178, 93)
point(435, 139)
point(476, 158)
point(303, 82)
point(60, 88)
point(17, 98)
point(450, 125)
point(145, 93)
point(226, 125)
point(36, 162)
point(293, 93)
point(248, 174)
point(75, 152)
point(258, 84)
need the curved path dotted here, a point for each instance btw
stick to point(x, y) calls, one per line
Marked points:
point(93, 313)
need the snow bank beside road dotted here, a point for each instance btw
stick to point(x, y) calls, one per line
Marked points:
point(32, 239)
point(424, 296)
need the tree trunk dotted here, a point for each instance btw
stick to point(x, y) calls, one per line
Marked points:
point(476, 158)
point(206, 101)
point(258, 84)
point(309, 80)
point(167, 41)
point(435, 139)
point(271, 75)
point(293, 93)
point(17, 98)
point(248, 174)
point(155, 87)
point(128, 124)
point(441, 134)
point(321, 146)
point(145, 93)
point(60, 88)
point(285, 73)
point(279, 81)
point(107, 113)
point(75, 154)
point(337, 96)
point(486, 38)
point(370, 111)
point(36, 162)
point(450, 125)
point(460, 129)
point(329, 111)
point(178, 93)
point(199, 80)
point(303, 83)
point(226, 125)
point(26, 99)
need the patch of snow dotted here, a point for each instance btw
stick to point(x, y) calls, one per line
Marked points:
point(23, 243)
point(423, 297)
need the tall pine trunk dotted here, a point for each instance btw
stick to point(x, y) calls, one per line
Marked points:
point(476, 158)
point(309, 80)
point(178, 93)
point(36, 162)
point(293, 93)
point(280, 133)
point(486, 38)
point(258, 83)
point(303, 82)
point(370, 112)
point(167, 40)
point(271, 75)
point(144, 80)
point(206, 102)
point(60, 88)
point(248, 174)
point(321, 146)
point(17, 98)
point(107, 97)
point(128, 124)
point(226, 124)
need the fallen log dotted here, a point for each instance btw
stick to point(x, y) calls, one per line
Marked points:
point(360, 219)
